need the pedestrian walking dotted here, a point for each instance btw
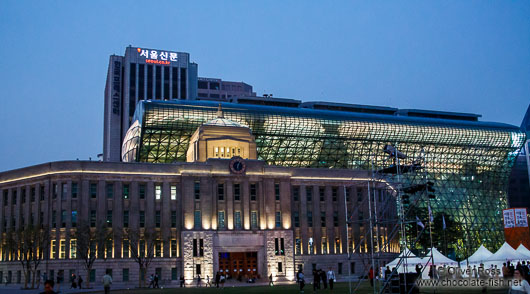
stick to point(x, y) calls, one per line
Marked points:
point(271, 282)
point(73, 283)
point(222, 279)
point(217, 278)
point(331, 278)
point(316, 280)
point(80, 281)
point(324, 278)
point(371, 276)
point(107, 281)
point(156, 281)
point(300, 280)
point(208, 281)
point(198, 281)
point(182, 284)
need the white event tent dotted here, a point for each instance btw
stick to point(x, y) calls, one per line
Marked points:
point(523, 251)
point(480, 256)
point(409, 259)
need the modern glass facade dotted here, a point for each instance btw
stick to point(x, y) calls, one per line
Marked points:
point(468, 161)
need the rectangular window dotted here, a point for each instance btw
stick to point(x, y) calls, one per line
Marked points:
point(33, 193)
point(157, 218)
point(296, 193)
point(201, 247)
point(183, 79)
point(74, 190)
point(198, 269)
point(158, 192)
point(173, 192)
point(166, 83)
point(309, 218)
point(125, 275)
point(174, 275)
point(126, 191)
point(352, 267)
point(158, 248)
point(62, 249)
point(173, 219)
point(278, 219)
point(110, 190)
point(309, 193)
point(337, 245)
point(63, 218)
point(108, 246)
point(141, 81)
point(335, 218)
point(221, 192)
point(322, 194)
point(173, 248)
point(174, 81)
point(277, 191)
point(195, 248)
point(125, 250)
point(149, 82)
point(253, 192)
point(141, 191)
point(158, 79)
point(282, 247)
point(6, 197)
point(324, 241)
point(334, 194)
point(52, 249)
point(221, 219)
point(197, 219)
point(359, 195)
point(347, 194)
point(92, 275)
point(92, 218)
point(142, 218)
point(64, 192)
point(296, 217)
point(73, 248)
point(109, 218)
point(55, 192)
point(74, 218)
point(14, 197)
point(237, 217)
point(254, 219)
point(132, 88)
point(323, 219)
point(280, 267)
point(298, 246)
point(339, 268)
point(237, 192)
point(41, 192)
point(93, 190)
point(125, 218)
point(23, 195)
point(197, 190)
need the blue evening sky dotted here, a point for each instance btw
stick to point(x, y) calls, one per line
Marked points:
point(465, 56)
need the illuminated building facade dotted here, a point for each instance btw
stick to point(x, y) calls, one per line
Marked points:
point(469, 161)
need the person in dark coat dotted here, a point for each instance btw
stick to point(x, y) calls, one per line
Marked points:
point(316, 280)
point(217, 278)
point(323, 278)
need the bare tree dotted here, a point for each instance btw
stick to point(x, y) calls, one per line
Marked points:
point(40, 245)
point(142, 249)
point(27, 245)
point(91, 243)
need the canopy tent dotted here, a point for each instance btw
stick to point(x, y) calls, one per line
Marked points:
point(523, 251)
point(408, 258)
point(505, 253)
point(439, 259)
point(481, 255)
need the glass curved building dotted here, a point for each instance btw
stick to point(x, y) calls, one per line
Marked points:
point(468, 161)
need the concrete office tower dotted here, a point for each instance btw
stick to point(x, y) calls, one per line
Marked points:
point(142, 74)
point(217, 89)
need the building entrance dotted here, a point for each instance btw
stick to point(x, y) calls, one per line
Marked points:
point(239, 265)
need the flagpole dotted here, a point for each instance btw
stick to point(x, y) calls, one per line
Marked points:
point(445, 240)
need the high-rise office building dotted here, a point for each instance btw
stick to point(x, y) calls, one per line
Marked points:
point(142, 74)
point(217, 89)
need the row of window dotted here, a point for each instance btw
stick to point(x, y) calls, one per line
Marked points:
point(296, 217)
point(237, 219)
point(322, 195)
point(311, 246)
point(108, 220)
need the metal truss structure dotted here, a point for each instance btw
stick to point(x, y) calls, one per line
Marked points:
point(469, 162)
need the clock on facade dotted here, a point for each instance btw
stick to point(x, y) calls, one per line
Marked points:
point(237, 165)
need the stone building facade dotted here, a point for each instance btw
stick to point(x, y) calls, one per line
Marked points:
point(263, 217)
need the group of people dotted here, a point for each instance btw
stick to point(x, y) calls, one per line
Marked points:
point(321, 279)
point(153, 281)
